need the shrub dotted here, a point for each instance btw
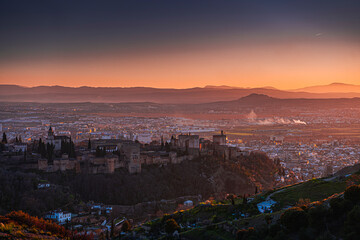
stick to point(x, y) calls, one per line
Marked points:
point(352, 193)
point(352, 224)
point(243, 234)
point(171, 226)
point(274, 229)
point(340, 206)
point(317, 217)
point(126, 226)
point(294, 219)
point(19, 234)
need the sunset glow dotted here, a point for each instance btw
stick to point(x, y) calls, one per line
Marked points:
point(281, 51)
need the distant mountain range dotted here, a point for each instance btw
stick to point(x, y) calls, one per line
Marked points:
point(332, 88)
point(55, 94)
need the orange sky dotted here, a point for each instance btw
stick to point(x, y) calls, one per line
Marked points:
point(284, 66)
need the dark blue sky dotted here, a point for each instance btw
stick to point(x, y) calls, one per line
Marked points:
point(45, 28)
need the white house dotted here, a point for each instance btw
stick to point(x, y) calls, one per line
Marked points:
point(266, 206)
point(59, 216)
point(188, 203)
point(43, 185)
point(20, 147)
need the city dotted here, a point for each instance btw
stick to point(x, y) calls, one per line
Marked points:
point(187, 120)
point(99, 143)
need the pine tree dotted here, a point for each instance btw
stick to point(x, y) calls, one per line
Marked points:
point(112, 229)
point(69, 148)
point(72, 150)
point(49, 152)
point(4, 138)
point(89, 144)
point(39, 146)
point(104, 151)
point(98, 152)
point(167, 146)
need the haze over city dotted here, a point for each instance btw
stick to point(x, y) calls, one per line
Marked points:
point(154, 119)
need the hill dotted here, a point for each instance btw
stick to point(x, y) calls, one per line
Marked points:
point(207, 176)
point(20, 225)
point(331, 88)
point(326, 208)
point(263, 104)
point(57, 94)
point(201, 177)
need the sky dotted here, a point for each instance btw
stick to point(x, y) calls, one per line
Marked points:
point(179, 44)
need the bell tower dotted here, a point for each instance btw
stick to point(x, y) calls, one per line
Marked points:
point(50, 134)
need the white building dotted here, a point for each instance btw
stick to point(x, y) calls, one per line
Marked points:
point(20, 147)
point(188, 203)
point(59, 216)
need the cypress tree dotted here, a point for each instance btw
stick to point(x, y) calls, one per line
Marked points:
point(4, 138)
point(89, 144)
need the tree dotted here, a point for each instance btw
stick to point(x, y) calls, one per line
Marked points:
point(352, 193)
point(244, 200)
point(98, 152)
point(72, 149)
point(167, 147)
point(256, 189)
point(4, 138)
point(294, 219)
point(126, 226)
point(232, 198)
point(89, 144)
point(317, 217)
point(171, 226)
point(245, 233)
point(112, 229)
point(162, 143)
point(268, 219)
point(50, 151)
point(352, 224)
point(42, 149)
point(339, 206)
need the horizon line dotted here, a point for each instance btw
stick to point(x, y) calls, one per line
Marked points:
point(194, 87)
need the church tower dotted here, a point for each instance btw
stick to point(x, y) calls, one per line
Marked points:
point(50, 134)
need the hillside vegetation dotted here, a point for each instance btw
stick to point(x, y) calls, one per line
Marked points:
point(20, 225)
point(207, 176)
point(316, 209)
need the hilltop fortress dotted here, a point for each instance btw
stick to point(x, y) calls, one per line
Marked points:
point(107, 155)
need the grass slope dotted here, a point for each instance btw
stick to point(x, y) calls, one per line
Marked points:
point(314, 190)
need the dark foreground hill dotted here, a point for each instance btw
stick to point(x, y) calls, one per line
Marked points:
point(318, 209)
point(20, 225)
